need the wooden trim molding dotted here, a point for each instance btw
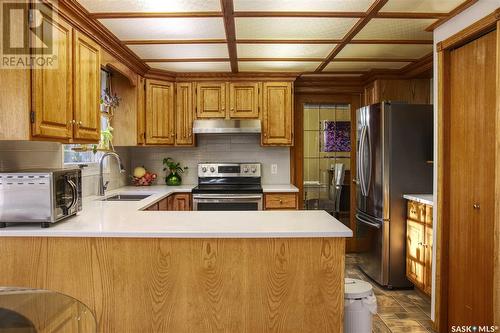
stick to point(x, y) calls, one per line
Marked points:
point(496, 242)
point(372, 11)
point(119, 15)
point(460, 8)
point(275, 41)
point(229, 26)
point(473, 31)
point(80, 19)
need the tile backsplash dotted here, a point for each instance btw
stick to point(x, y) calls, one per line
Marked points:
point(217, 148)
point(210, 148)
point(16, 155)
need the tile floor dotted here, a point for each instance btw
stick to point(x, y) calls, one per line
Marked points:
point(399, 311)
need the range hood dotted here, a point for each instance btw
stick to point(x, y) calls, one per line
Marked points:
point(218, 126)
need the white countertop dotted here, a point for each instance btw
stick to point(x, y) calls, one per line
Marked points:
point(280, 188)
point(427, 199)
point(126, 219)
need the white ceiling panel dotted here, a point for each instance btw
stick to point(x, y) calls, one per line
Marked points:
point(277, 66)
point(166, 28)
point(178, 51)
point(303, 5)
point(379, 28)
point(284, 50)
point(384, 51)
point(363, 65)
point(292, 28)
point(101, 6)
point(421, 6)
point(192, 66)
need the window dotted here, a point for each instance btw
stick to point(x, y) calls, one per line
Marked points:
point(87, 154)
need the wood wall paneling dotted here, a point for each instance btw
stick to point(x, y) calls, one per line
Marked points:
point(189, 285)
point(87, 94)
point(160, 118)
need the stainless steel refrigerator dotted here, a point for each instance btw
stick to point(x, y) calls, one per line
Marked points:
point(394, 146)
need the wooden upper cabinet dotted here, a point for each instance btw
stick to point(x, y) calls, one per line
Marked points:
point(244, 100)
point(87, 80)
point(211, 100)
point(414, 91)
point(277, 113)
point(184, 112)
point(52, 91)
point(141, 111)
point(160, 127)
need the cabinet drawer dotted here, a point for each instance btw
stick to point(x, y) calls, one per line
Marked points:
point(281, 201)
point(417, 211)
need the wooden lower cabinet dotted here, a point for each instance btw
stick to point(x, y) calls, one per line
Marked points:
point(419, 245)
point(280, 201)
point(188, 284)
point(174, 202)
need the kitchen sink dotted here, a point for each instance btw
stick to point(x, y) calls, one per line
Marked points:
point(126, 197)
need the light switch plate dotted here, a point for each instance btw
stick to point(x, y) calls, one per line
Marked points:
point(274, 169)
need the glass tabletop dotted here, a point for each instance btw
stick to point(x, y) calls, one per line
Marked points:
point(37, 310)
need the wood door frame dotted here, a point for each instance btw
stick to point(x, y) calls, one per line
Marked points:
point(444, 48)
point(297, 151)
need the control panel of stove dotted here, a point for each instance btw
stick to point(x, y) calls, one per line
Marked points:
point(229, 170)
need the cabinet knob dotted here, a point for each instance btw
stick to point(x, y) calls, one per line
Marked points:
point(172, 135)
point(281, 202)
point(265, 134)
point(476, 206)
point(232, 109)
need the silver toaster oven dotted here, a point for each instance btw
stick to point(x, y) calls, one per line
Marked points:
point(43, 196)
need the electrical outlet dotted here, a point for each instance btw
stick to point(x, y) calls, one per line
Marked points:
point(274, 169)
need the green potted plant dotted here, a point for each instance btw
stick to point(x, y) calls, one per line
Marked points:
point(175, 169)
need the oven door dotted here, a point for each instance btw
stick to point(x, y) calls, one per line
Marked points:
point(227, 202)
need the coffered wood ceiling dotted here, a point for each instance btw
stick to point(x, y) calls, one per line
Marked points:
point(330, 37)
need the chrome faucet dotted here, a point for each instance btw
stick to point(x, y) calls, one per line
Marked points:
point(102, 185)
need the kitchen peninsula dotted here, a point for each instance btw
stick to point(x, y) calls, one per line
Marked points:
point(259, 271)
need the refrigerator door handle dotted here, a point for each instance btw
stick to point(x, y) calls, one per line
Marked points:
point(363, 220)
point(362, 160)
point(369, 176)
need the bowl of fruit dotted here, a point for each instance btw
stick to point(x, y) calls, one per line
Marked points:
point(142, 177)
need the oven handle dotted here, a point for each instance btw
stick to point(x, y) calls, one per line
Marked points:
point(225, 196)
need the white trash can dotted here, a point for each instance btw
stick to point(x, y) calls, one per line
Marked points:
point(359, 305)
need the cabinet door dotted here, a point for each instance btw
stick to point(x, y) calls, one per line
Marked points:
point(182, 202)
point(211, 100)
point(244, 100)
point(277, 114)
point(160, 128)
point(184, 114)
point(141, 111)
point(428, 260)
point(52, 88)
point(87, 89)
point(415, 238)
point(370, 94)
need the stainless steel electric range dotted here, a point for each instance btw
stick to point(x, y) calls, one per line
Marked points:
point(228, 187)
